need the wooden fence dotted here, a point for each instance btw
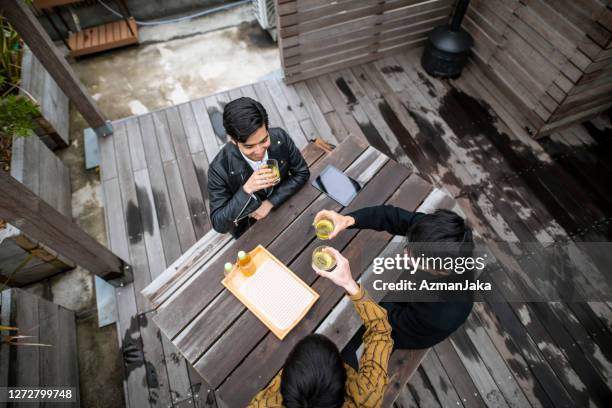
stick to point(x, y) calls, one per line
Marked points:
point(321, 36)
point(551, 59)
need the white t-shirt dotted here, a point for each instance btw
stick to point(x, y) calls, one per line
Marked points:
point(255, 164)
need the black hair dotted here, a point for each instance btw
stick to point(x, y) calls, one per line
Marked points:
point(242, 117)
point(313, 375)
point(441, 234)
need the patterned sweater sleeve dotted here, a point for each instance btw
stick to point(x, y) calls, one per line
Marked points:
point(368, 387)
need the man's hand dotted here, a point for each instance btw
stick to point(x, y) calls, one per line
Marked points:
point(262, 211)
point(341, 222)
point(260, 179)
point(341, 275)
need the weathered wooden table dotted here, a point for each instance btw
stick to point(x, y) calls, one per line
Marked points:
point(228, 346)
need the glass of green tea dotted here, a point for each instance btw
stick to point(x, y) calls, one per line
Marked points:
point(323, 259)
point(323, 228)
point(273, 165)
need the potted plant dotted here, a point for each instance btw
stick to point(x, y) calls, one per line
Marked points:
point(16, 113)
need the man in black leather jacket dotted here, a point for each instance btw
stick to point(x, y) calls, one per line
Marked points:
point(240, 192)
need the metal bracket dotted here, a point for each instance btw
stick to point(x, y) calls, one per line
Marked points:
point(104, 130)
point(92, 153)
point(105, 302)
point(128, 277)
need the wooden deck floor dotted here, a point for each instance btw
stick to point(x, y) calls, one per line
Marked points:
point(154, 168)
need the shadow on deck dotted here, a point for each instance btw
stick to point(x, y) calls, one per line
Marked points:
point(510, 187)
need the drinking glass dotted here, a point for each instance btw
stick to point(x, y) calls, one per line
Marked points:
point(323, 259)
point(273, 165)
point(323, 228)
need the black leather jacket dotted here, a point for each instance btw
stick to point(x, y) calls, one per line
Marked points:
point(230, 205)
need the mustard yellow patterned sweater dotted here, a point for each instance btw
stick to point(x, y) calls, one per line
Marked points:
point(365, 388)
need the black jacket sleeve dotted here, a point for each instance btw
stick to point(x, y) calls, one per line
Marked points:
point(388, 218)
point(298, 177)
point(225, 206)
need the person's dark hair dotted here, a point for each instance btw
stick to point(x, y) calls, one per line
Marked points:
point(441, 234)
point(313, 375)
point(242, 117)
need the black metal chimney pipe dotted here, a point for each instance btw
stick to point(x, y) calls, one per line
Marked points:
point(448, 46)
point(460, 11)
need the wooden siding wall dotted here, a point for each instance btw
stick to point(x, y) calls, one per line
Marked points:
point(551, 59)
point(319, 36)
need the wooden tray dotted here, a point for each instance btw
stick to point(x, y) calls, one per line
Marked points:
point(276, 295)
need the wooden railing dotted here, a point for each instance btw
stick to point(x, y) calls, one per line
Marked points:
point(321, 36)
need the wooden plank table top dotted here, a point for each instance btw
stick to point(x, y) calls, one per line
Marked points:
point(227, 345)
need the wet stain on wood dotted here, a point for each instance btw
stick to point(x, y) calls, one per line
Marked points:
point(572, 205)
point(466, 115)
point(431, 89)
point(202, 180)
point(146, 210)
point(346, 91)
point(390, 69)
point(131, 347)
point(216, 119)
point(375, 139)
point(134, 225)
point(151, 375)
point(163, 213)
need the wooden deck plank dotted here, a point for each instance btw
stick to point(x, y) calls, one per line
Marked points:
point(249, 92)
point(207, 133)
point(405, 400)
point(180, 207)
point(294, 101)
point(132, 215)
point(167, 381)
point(136, 145)
point(189, 178)
point(192, 133)
point(322, 101)
point(422, 391)
point(215, 114)
point(164, 140)
point(285, 109)
point(263, 96)
point(128, 329)
point(159, 189)
point(153, 355)
point(314, 113)
point(440, 381)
